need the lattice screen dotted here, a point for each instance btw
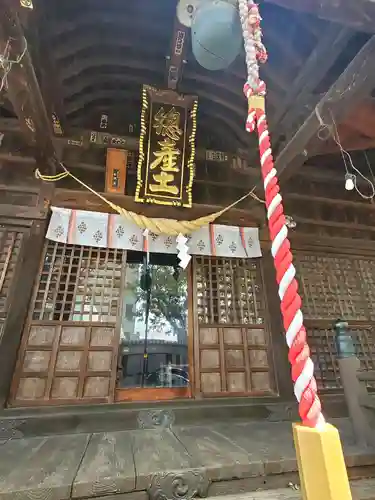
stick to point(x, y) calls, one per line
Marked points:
point(229, 291)
point(324, 354)
point(78, 283)
point(334, 287)
point(10, 245)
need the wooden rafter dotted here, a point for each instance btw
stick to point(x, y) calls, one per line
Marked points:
point(355, 83)
point(49, 78)
point(312, 73)
point(22, 85)
point(358, 15)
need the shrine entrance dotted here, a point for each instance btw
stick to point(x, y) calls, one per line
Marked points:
point(154, 354)
point(105, 325)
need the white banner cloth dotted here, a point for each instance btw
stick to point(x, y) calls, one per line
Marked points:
point(81, 227)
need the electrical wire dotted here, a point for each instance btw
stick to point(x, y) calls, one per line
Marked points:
point(332, 131)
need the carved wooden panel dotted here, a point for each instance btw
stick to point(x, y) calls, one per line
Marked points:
point(233, 360)
point(10, 246)
point(63, 363)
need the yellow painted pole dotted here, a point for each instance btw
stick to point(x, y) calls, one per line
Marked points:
point(321, 463)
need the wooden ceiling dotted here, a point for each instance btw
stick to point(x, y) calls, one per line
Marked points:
point(359, 14)
point(92, 57)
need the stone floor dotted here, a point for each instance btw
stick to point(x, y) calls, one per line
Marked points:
point(361, 490)
point(180, 462)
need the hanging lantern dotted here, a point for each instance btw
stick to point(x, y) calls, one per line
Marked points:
point(216, 34)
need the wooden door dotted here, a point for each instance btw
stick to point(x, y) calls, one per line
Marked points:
point(70, 342)
point(166, 347)
point(231, 341)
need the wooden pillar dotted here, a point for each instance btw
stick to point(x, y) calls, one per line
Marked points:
point(279, 347)
point(23, 283)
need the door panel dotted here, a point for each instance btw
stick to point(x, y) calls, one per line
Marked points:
point(231, 348)
point(70, 341)
point(61, 363)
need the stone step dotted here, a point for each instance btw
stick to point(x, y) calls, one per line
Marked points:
point(362, 490)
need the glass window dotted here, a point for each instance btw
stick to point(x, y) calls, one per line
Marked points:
point(153, 350)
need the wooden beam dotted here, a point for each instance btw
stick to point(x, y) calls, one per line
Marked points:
point(357, 15)
point(83, 200)
point(177, 54)
point(83, 138)
point(354, 84)
point(353, 142)
point(80, 140)
point(357, 205)
point(51, 87)
point(23, 89)
point(312, 73)
point(21, 212)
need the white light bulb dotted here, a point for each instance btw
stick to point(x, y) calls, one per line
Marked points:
point(349, 182)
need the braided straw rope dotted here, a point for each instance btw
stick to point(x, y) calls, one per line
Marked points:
point(305, 388)
point(155, 225)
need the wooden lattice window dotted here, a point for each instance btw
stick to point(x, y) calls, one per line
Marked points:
point(10, 245)
point(366, 269)
point(336, 287)
point(324, 354)
point(78, 283)
point(229, 291)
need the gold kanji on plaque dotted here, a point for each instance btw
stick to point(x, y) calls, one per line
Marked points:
point(166, 148)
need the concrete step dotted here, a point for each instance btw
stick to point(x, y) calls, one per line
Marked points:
point(362, 490)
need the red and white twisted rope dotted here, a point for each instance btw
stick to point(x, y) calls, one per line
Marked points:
point(305, 388)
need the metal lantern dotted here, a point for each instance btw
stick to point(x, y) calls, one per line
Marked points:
point(216, 34)
point(344, 341)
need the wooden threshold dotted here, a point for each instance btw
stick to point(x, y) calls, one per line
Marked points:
point(153, 394)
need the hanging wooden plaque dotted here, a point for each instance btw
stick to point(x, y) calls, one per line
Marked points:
point(115, 175)
point(166, 148)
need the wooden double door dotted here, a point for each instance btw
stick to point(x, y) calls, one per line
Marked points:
point(87, 318)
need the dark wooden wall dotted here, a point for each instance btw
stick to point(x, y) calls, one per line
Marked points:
point(23, 214)
point(334, 251)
